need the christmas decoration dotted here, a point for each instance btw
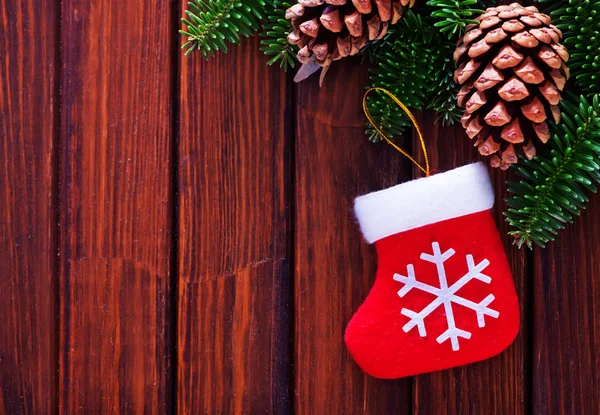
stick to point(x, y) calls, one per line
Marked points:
point(443, 294)
point(552, 189)
point(511, 76)
point(446, 295)
point(512, 68)
point(329, 30)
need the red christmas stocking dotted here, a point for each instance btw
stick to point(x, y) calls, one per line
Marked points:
point(443, 294)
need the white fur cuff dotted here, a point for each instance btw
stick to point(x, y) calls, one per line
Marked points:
point(421, 202)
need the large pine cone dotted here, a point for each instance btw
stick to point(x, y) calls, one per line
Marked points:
point(512, 67)
point(333, 29)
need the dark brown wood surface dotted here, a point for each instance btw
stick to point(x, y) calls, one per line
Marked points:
point(115, 207)
point(334, 268)
point(177, 235)
point(233, 324)
point(28, 223)
point(566, 317)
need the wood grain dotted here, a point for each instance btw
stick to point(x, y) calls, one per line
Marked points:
point(254, 205)
point(28, 288)
point(498, 385)
point(334, 267)
point(234, 285)
point(566, 312)
point(115, 207)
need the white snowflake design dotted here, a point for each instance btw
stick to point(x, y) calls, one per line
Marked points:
point(446, 295)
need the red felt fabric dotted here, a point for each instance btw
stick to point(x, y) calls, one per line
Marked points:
point(375, 335)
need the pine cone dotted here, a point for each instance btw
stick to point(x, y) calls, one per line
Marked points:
point(512, 69)
point(330, 30)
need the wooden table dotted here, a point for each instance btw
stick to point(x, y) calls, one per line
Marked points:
point(177, 235)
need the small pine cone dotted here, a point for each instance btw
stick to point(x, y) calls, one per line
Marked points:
point(329, 30)
point(512, 69)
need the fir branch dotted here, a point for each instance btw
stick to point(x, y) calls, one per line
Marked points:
point(452, 16)
point(580, 22)
point(415, 44)
point(275, 34)
point(443, 88)
point(213, 23)
point(398, 69)
point(551, 190)
point(400, 59)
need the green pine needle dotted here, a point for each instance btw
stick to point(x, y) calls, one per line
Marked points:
point(211, 24)
point(401, 61)
point(579, 21)
point(275, 32)
point(452, 16)
point(553, 186)
point(443, 89)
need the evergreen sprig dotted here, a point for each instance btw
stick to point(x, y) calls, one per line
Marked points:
point(402, 66)
point(553, 186)
point(443, 88)
point(580, 22)
point(211, 24)
point(452, 16)
point(275, 36)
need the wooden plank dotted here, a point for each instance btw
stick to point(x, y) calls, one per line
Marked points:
point(566, 319)
point(334, 267)
point(498, 385)
point(566, 307)
point(28, 288)
point(234, 285)
point(115, 207)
